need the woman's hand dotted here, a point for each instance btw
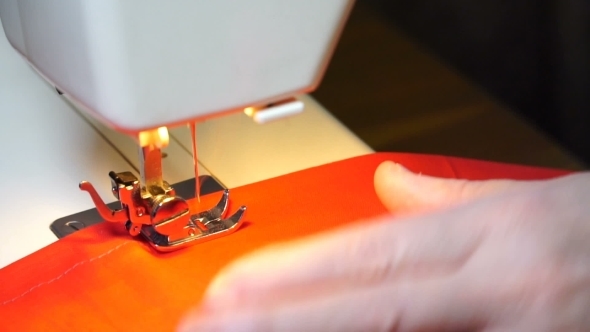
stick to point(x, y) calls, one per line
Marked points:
point(459, 255)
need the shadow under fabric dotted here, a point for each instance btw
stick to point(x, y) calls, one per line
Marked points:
point(101, 279)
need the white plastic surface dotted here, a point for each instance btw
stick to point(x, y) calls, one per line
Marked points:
point(140, 64)
point(46, 150)
point(239, 151)
point(176, 164)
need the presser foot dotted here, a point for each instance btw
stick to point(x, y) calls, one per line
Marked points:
point(161, 217)
point(204, 226)
point(194, 233)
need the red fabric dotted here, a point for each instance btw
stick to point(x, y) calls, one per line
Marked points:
point(101, 279)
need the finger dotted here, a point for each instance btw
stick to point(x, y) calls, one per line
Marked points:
point(404, 192)
point(366, 252)
point(426, 305)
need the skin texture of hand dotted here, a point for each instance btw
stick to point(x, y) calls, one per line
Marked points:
point(459, 255)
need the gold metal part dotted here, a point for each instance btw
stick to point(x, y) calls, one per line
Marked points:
point(157, 137)
point(150, 169)
point(151, 207)
point(164, 220)
point(150, 158)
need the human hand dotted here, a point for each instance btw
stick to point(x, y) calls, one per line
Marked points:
point(459, 255)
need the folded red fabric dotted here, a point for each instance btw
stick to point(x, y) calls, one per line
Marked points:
point(101, 279)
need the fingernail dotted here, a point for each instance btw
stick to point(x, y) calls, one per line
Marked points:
point(399, 167)
point(389, 165)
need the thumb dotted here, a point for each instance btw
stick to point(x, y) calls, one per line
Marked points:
point(404, 192)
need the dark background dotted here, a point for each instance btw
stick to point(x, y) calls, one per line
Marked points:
point(504, 77)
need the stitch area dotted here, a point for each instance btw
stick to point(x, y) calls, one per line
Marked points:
point(64, 273)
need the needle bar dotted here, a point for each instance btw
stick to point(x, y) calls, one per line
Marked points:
point(193, 129)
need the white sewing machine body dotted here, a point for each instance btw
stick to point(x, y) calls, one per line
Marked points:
point(142, 64)
point(50, 145)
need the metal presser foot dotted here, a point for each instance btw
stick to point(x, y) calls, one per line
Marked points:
point(153, 210)
point(164, 220)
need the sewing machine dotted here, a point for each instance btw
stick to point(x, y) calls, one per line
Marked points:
point(123, 75)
